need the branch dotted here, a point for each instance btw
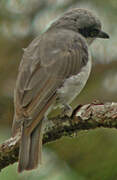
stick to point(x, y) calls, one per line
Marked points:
point(84, 117)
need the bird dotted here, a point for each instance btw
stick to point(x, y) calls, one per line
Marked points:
point(54, 69)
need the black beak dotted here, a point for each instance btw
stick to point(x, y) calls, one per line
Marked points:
point(103, 35)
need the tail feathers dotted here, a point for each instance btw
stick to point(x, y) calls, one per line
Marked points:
point(24, 152)
point(35, 148)
point(30, 149)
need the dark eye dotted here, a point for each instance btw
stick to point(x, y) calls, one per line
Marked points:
point(89, 32)
point(94, 32)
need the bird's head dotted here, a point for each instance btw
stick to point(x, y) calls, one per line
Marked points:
point(82, 21)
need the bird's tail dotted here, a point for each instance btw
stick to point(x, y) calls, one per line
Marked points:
point(30, 149)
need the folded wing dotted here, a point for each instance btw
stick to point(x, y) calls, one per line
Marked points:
point(46, 63)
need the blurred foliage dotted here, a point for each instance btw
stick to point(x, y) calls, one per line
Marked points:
point(92, 154)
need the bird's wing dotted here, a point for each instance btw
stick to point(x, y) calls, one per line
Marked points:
point(42, 71)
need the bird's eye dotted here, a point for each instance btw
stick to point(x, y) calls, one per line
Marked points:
point(94, 32)
point(89, 32)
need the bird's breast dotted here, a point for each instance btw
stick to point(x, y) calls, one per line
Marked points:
point(74, 84)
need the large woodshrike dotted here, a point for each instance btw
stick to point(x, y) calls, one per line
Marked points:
point(53, 71)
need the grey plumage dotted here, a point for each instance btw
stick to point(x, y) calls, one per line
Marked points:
point(50, 60)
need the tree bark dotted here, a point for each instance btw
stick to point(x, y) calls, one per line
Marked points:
point(84, 117)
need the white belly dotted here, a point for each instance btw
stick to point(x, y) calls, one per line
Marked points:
point(73, 85)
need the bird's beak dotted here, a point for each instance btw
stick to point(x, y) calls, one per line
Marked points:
point(104, 35)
